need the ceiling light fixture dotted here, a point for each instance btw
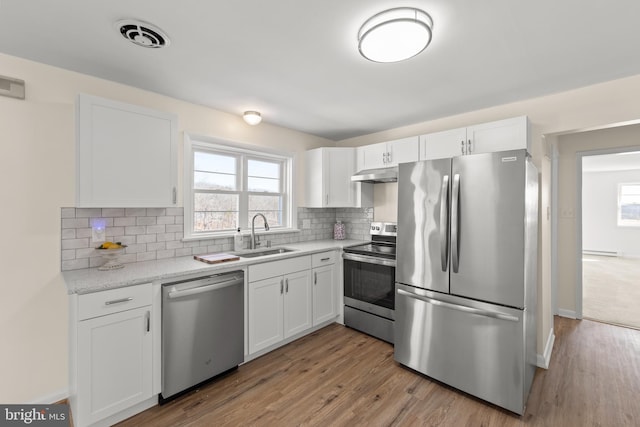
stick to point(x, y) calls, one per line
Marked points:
point(252, 117)
point(395, 34)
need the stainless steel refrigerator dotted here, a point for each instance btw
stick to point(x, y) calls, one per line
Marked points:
point(466, 273)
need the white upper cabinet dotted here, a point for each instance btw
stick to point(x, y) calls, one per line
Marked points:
point(441, 145)
point(501, 135)
point(388, 154)
point(125, 155)
point(328, 180)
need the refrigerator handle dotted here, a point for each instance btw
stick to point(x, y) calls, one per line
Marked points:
point(455, 222)
point(444, 223)
point(458, 307)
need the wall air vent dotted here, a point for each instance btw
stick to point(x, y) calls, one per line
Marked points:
point(13, 88)
point(142, 33)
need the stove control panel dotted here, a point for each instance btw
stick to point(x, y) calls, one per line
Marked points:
point(383, 228)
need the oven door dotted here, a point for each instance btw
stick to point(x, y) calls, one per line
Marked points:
point(369, 284)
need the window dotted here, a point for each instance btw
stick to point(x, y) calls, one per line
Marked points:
point(226, 185)
point(629, 205)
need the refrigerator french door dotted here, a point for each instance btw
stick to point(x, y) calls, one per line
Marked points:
point(466, 273)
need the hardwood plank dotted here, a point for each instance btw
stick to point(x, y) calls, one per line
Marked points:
point(340, 377)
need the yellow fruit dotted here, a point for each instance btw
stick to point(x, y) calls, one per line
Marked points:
point(107, 245)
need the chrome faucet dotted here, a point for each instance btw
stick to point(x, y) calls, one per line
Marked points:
point(253, 230)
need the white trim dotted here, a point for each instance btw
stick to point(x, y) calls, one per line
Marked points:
point(51, 398)
point(193, 141)
point(545, 358)
point(569, 314)
point(579, 249)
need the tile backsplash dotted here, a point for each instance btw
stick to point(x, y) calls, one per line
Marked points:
point(156, 233)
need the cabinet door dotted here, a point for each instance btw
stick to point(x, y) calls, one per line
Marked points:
point(126, 155)
point(441, 145)
point(339, 165)
point(115, 363)
point(265, 313)
point(324, 293)
point(403, 151)
point(501, 135)
point(314, 194)
point(297, 303)
point(372, 156)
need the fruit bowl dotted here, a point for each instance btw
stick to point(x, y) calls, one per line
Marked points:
point(111, 256)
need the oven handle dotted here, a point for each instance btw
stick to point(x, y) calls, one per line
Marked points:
point(369, 259)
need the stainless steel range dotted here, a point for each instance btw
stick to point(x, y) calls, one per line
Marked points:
point(369, 283)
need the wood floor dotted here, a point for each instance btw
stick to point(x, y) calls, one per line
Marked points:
point(611, 290)
point(340, 377)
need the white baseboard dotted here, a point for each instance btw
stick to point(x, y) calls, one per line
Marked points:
point(52, 398)
point(567, 313)
point(544, 359)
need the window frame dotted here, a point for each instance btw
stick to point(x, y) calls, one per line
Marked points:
point(619, 221)
point(245, 152)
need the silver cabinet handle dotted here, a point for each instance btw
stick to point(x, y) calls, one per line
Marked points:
point(455, 223)
point(175, 196)
point(315, 277)
point(469, 147)
point(286, 285)
point(467, 309)
point(327, 199)
point(325, 259)
point(281, 286)
point(444, 223)
point(462, 147)
point(118, 301)
point(148, 320)
point(389, 157)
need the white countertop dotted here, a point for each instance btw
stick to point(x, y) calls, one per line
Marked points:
point(93, 280)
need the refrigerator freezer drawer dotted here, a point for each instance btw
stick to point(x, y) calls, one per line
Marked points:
point(475, 347)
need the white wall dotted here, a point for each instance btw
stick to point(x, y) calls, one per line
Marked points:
point(589, 107)
point(37, 170)
point(600, 230)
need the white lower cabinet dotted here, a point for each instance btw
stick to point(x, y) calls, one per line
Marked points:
point(324, 276)
point(279, 306)
point(112, 361)
point(288, 297)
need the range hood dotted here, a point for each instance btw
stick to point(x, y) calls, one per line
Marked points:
point(376, 175)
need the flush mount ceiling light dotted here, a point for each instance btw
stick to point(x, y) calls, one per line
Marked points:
point(395, 34)
point(142, 33)
point(252, 117)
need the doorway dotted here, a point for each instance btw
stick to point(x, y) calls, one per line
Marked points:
point(610, 217)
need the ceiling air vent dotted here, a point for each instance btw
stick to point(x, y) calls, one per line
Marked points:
point(142, 33)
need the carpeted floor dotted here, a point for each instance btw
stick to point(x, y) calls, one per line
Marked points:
point(611, 290)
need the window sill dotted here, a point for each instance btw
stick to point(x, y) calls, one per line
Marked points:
point(227, 234)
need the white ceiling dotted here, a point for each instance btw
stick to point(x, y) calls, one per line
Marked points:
point(297, 61)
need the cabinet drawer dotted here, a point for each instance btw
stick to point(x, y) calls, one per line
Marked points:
point(323, 258)
point(278, 268)
point(114, 300)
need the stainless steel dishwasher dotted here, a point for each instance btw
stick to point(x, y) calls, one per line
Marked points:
point(202, 330)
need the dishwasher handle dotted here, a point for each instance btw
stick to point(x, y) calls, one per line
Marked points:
point(202, 289)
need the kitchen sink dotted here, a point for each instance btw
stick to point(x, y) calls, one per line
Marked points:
point(262, 252)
